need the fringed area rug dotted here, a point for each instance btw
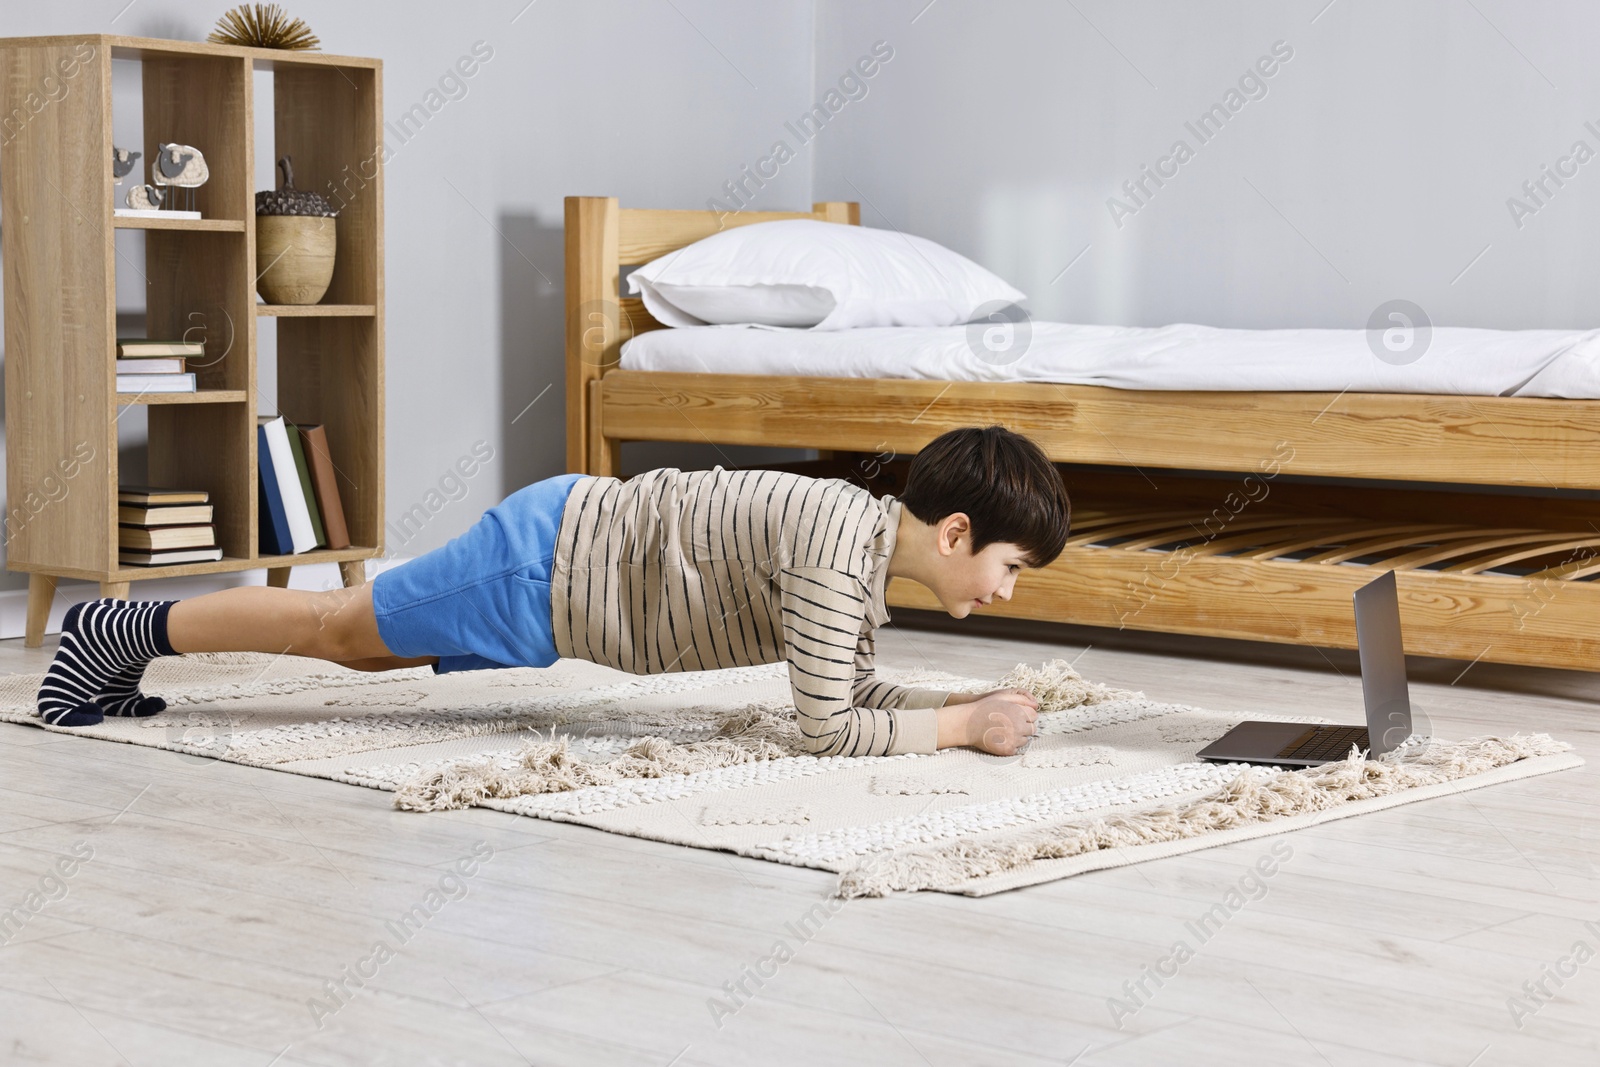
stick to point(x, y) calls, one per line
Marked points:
point(713, 760)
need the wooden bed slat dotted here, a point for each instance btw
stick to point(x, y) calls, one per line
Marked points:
point(1270, 544)
point(1567, 570)
point(1479, 541)
point(1247, 524)
point(1402, 538)
point(1354, 529)
point(1528, 550)
point(1133, 527)
point(1084, 520)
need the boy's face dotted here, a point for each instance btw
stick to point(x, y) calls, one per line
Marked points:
point(967, 581)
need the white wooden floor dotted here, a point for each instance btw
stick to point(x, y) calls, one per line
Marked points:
point(220, 901)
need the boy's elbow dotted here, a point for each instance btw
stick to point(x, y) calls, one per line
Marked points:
point(815, 746)
point(819, 744)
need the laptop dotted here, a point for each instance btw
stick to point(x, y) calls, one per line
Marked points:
point(1383, 689)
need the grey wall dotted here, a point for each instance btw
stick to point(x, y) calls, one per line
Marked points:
point(655, 103)
point(1377, 166)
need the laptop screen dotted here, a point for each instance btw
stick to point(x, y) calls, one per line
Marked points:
point(1383, 664)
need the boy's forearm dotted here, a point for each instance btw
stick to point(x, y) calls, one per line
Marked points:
point(953, 721)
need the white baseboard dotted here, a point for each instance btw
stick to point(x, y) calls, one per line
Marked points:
point(14, 602)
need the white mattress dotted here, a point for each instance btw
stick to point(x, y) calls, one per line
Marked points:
point(1473, 362)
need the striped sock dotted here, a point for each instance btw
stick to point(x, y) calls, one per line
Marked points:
point(122, 696)
point(100, 641)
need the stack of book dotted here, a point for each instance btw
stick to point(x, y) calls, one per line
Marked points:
point(149, 366)
point(299, 498)
point(156, 526)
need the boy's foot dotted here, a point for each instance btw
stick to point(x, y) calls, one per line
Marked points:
point(105, 645)
point(123, 697)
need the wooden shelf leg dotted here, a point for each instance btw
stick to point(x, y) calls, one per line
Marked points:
point(278, 577)
point(41, 594)
point(354, 572)
point(118, 590)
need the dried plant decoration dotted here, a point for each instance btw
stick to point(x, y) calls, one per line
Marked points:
point(263, 26)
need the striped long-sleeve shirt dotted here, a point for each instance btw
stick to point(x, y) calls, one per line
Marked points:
point(697, 570)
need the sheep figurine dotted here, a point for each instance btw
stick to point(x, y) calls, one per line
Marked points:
point(121, 163)
point(145, 197)
point(183, 166)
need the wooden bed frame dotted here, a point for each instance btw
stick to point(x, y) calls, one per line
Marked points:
point(1194, 512)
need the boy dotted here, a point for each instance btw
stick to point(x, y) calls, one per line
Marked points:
point(669, 571)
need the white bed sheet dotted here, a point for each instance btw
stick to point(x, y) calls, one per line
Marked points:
point(1457, 360)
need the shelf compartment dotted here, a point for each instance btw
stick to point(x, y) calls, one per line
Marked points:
point(329, 373)
point(200, 289)
point(208, 446)
point(313, 311)
point(204, 100)
point(327, 119)
point(199, 396)
point(125, 222)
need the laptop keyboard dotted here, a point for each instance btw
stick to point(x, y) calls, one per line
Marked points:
point(1326, 743)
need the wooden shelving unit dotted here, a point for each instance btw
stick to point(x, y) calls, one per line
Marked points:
point(57, 234)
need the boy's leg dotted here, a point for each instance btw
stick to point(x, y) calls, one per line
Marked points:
point(333, 624)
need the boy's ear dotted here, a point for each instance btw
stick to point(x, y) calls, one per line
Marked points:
point(954, 527)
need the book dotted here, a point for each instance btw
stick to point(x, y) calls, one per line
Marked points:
point(152, 538)
point(142, 347)
point(286, 484)
point(155, 383)
point(170, 365)
point(272, 528)
point(325, 482)
point(180, 555)
point(154, 494)
point(304, 476)
point(180, 515)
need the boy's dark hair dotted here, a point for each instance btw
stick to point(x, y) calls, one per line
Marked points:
point(1002, 481)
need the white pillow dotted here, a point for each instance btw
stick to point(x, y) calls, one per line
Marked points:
point(768, 305)
point(819, 275)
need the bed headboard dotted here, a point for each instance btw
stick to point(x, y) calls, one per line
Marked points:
point(601, 239)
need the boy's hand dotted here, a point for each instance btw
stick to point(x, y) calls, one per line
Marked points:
point(1001, 722)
